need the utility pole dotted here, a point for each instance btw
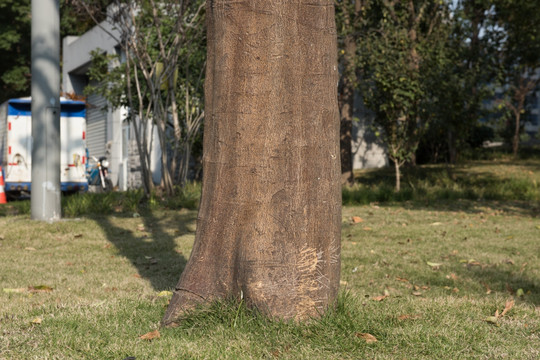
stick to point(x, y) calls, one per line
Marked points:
point(45, 199)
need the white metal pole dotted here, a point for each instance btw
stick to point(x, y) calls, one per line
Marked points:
point(45, 198)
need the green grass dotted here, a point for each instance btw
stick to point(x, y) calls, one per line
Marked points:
point(503, 180)
point(107, 273)
point(132, 201)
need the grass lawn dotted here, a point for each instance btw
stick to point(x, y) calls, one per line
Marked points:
point(427, 278)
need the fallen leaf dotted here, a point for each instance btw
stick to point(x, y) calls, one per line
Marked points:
point(367, 337)
point(507, 307)
point(520, 292)
point(29, 249)
point(137, 276)
point(417, 293)
point(379, 298)
point(17, 290)
point(36, 321)
point(343, 283)
point(367, 228)
point(473, 263)
point(357, 219)
point(409, 317)
point(452, 276)
point(77, 236)
point(165, 293)
point(401, 279)
point(492, 320)
point(434, 265)
point(40, 288)
point(150, 335)
point(436, 223)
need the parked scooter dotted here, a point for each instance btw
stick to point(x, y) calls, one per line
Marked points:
point(98, 176)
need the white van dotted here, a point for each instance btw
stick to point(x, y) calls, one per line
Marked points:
point(16, 145)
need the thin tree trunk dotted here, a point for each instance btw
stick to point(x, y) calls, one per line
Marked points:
point(398, 175)
point(269, 221)
point(515, 140)
point(452, 149)
point(346, 113)
point(346, 96)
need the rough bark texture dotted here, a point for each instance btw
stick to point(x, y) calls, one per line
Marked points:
point(346, 92)
point(270, 213)
point(346, 106)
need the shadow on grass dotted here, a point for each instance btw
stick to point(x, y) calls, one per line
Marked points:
point(151, 249)
point(464, 187)
point(488, 279)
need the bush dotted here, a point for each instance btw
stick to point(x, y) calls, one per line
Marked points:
point(479, 135)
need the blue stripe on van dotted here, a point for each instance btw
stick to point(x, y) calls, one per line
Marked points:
point(17, 107)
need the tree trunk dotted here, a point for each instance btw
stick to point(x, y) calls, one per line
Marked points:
point(452, 148)
point(270, 214)
point(517, 130)
point(346, 114)
point(346, 95)
point(398, 175)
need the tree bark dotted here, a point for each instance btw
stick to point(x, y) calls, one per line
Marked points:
point(398, 175)
point(346, 114)
point(346, 92)
point(269, 221)
point(517, 131)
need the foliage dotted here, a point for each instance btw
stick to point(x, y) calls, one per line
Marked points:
point(460, 81)
point(500, 180)
point(396, 54)
point(14, 48)
point(519, 54)
point(15, 27)
point(160, 81)
point(127, 202)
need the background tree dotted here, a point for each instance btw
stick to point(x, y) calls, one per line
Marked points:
point(520, 58)
point(152, 82)
point(15, 42)
point(459, 79)
point(394, 54)
point(349, 18)
point(268, 229)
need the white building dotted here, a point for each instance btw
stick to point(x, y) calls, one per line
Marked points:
point(108, 132)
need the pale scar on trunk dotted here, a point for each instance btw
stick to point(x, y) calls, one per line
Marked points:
point(306, 283)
